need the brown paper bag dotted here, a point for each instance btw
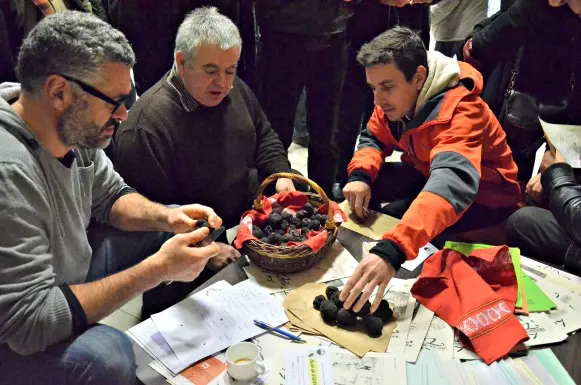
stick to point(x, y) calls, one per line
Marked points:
point(374, 226)
point(299, 302)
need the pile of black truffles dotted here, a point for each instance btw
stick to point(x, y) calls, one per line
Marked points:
point(333, 313)
point(282, 226)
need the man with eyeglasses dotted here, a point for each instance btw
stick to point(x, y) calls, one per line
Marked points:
point(57, 280)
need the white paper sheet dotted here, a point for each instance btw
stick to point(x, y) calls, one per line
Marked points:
point(402, 303)
point(566, 139)
point(535, 365)
point(417, 333)
point(460, 352)
point(410, 265)
point(348, 369)
point(200, 325)
point(306, 365)
point(454, 372)
point(440, 339)
point(147, 335)
point(541, 329)
point(546, 272)
point(338, 263)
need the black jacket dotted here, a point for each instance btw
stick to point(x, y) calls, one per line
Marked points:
point(552, 53)
point(564, 193)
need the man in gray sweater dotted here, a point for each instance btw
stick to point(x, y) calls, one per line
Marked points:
point(56, 281)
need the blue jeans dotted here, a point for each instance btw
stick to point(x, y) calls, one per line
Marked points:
point(102, 354)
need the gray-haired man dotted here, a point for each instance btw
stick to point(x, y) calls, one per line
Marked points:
point(199, 133)
point(57, 280)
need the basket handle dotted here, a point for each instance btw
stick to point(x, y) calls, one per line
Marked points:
point(329, 225)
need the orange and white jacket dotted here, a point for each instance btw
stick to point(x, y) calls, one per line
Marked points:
point(455, 141)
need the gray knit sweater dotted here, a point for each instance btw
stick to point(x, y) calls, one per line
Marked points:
point(45, 208)
point(453, 20)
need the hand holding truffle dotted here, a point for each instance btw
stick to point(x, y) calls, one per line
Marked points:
point(372, 272)
point(185, 218)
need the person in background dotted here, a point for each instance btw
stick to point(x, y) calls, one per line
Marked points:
point(452, 21)
point(57, 280)
point(457, 173)
point(369, 20)
point(303, 45)
point(199, 133)
point(549, 67)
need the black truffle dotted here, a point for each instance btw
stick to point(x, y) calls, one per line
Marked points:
point(277, 210)
point(275, 205)
point(316, 226)
point(296, 221)
point(279, 239)
point(305, 231)
point(257, 232)
point(330, 290)
point(307, 223)
point(271, 239)
point(264, 239)
point(323, 219)
point(301, 214)
point(317, 301)
point(274, 220)
point(329, 311)
point(336, 300)
point(345, 318)
point(292, 227)
point(286, 215)
point(365, 309)
point(284, 225)
point(281, 232)
point(373, 326)
point(384, 312)
point(309, 209)
point(202, 223)
point(267, 230)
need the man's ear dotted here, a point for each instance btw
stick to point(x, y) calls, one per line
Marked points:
point(59, 92)
point(180, 61)
point(420, 77)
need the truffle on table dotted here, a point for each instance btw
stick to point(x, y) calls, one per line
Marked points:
point(345, 318)
point(330, 290)
point(336, 300)
point(328, 311)
point(373, 326)
point(317, 301)
point(384, 312)
point(365, 309)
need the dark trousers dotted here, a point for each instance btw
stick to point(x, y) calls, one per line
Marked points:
point(400, 183)
point(290, 62)
point(538, 235)
point(357, 98)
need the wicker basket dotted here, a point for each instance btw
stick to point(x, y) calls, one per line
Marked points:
point(290, 259)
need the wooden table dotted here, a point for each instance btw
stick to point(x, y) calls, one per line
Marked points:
point(568, 352)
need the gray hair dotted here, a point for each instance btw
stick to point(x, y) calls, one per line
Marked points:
point(400, 45)
point(71, 43)
point(206, 25)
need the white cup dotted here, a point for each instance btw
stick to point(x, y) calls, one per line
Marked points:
point(244, 362)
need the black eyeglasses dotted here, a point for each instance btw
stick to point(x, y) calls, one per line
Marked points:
point(91, 91)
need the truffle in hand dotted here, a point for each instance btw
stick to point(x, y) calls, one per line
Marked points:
point(330, 290)
point(345, 318)
point(317, 301)
point(329, 311)
point(373, 326)
point(202, 223)
point(384, 312)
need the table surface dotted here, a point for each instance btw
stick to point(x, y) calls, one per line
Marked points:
point(568, 352)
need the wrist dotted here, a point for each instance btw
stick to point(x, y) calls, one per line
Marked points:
point(153, 271)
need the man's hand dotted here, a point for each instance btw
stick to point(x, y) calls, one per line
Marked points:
point(284, 185)
point(372, 272)
point(183, 219)
point(468, 58)
point(179, 260)
point(395, 3)
point(534, 189)
point(559, 158)
point(226, 256)
point(358, 194)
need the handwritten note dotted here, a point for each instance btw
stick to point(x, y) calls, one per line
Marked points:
point(440, 339)
point(546, 272)
point(373, 369)
point(308, 366)
point(461, 352)
point(403, 304)
point(541, 329)
point(201, 325)
point(338, 263)
point(417, 333)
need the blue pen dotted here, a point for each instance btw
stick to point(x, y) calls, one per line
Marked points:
point(266, 326)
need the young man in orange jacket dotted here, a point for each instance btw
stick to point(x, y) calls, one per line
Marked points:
point(457, 173)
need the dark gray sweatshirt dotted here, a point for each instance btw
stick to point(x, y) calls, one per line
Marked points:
point(45, 207)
